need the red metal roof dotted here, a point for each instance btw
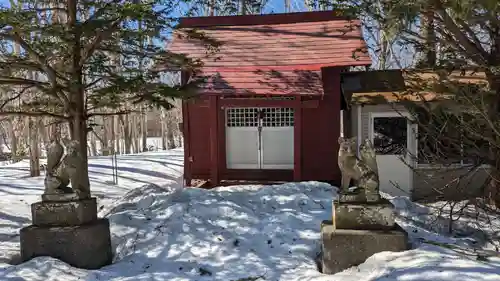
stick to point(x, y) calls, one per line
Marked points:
point(272, 54)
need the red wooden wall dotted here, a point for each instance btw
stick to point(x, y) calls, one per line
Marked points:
point(316, 136)
point(196, 131)
point(320, 133)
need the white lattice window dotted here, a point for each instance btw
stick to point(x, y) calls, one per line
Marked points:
point(242, 117)
point(278, 117)
point(249, 117)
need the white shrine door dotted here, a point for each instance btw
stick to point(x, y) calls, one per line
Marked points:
point(259, 138)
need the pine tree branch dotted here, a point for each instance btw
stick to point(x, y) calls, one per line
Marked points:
point(473, 36)
point(93, 83)
point(476, 53)
point(100, 37)
point(32, 114)
point(50, 9)
point(19, 64)
point(42, 86)
point(5, 102)
point(5, 80)
point(15, 37)
point(122, 112)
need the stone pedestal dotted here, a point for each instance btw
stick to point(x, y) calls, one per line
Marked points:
point(64, 213)
point(69, 231)
point(344, 248)
point(364, 216)
point(358, 230)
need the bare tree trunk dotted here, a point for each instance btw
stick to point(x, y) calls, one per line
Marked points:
point(104, 140)
point(124, 120)
point(114, 145)
point(144, 128)
point(13, 139)
point(34, 147)
point(117, 134)
point(211, 8)
point(163, 125)
point(44, 132)
point(243, 7)
point(428, 30)
point(133, 133)
point(2, 140)
point(170, 131)
point(287, 6)
point(93, 145)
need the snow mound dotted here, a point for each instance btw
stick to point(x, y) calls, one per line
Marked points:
point(249, 232)
point(226, 233)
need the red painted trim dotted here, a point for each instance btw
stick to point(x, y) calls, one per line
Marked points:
point(214, 149)
point(232, 96)
point(256, 103)
point(297, 141)
point(295, 67)
point(281, 18)
point(309, 103)
point(222, 138)
point(186, 140)
point(258, 175)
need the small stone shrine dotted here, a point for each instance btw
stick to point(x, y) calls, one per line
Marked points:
point(362, 222)
point(65, 223)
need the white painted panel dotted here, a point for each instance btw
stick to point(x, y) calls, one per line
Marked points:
point(277, 148)
point(242, 148)
point(394, 175)
point(393, 145)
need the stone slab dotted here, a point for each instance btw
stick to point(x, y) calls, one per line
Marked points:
point(359, 197)
point(62, 197)
point(344, 248)
point(67, 213)
point(86, 246)
point(364, 216)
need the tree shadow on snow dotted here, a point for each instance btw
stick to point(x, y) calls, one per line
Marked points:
point(431, 263)
point(12, 222)
point(133, 170)
point(425, 223)
point(211, 234)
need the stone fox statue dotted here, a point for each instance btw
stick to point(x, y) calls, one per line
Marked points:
point(60, 171)
point(347, 162)
point(363, 170)
point(368, 155)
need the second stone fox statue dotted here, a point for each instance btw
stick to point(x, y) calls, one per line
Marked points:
point(362, 170)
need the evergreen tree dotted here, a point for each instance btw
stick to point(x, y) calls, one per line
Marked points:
point(83, 58)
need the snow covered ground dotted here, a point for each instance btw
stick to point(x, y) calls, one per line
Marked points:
point(152, 144)
point(161, 231)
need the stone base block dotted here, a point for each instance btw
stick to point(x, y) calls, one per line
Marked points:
point(62, 197)
point(87, 246)
point(359, 197)
point(64, 213)
point(364, 216)
point(344, 248)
